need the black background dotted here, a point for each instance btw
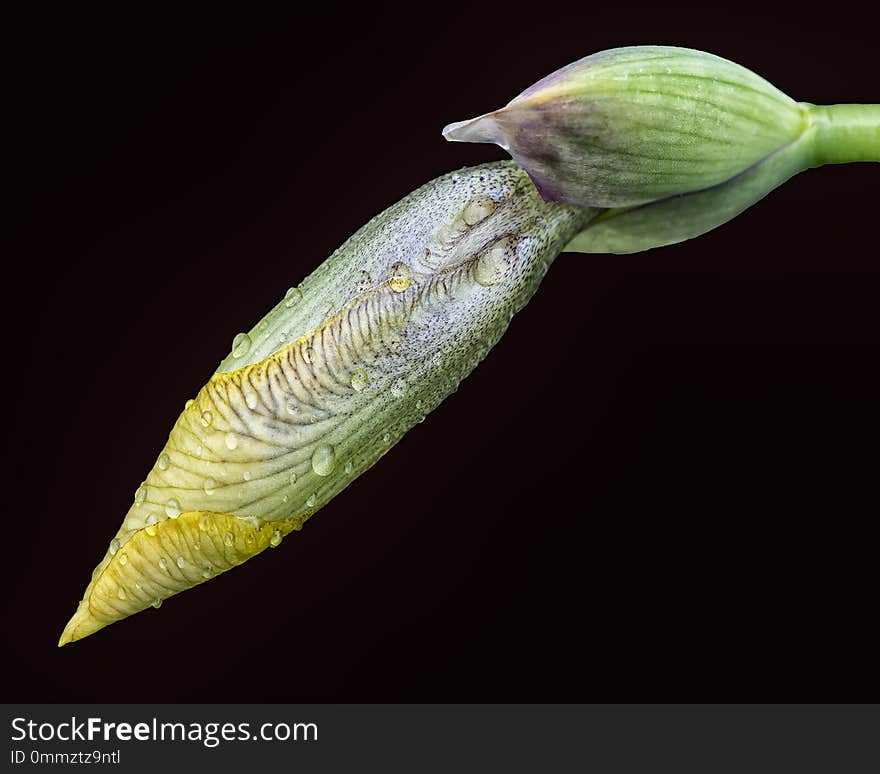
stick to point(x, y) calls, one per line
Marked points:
point(685, 509)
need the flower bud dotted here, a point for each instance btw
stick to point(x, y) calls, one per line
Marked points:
point(634, 125)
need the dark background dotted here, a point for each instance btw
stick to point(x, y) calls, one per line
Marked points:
point(688, 515)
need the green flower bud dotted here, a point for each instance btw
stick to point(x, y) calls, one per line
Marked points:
point(634, 125)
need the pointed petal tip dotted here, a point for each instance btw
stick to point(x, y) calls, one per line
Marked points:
point(480, 129)
point(81, 624)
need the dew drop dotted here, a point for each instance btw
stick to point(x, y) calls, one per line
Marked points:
point(311, 501)
point(206, 573)
point(478, 208)
point(285, 498)
point(323, 459)
point(114, 546)
point(181, 562)
point(229, 540)
point(172, 508)
point(157, 603)
point(163, 462)
point(348, 467)
point(292, 478)
point(292, 296)
point(246, 476)
point(120, 593)
point(140, 495)
point(123, 559)
point(275, 540)
point(210, 486)
point(205, 523)
point(359, 380)
point(206, 418)
point(399, 277)
point(387, 437)
point(150, 524)
point(163, 565)
point(231, 441)
point(241, 345)
point(492, 264)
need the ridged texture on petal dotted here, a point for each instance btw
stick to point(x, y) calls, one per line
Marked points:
point(330, 380)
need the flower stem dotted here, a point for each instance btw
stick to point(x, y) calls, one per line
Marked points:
point(845, 133)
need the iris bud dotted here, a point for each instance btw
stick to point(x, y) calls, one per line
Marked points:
point(633, 125)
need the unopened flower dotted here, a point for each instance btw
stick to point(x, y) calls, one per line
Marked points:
point(672, 140)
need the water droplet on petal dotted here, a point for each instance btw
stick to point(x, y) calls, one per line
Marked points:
point(246, 476)
point(140, 495)
point(275, 540)
point(123, 559)
point(206, 573)
point(241, 345)
point(348, 467)
point(292, 478)
point(229, 540)
point(210, 486)
point(163, 462)
point(120, 593)
point(157, 603)
point(181, 562)
point(172, 509)
point(494, 262)
point(231, 441)
point(292, 296)
point(399, 277)
point(386, 437)
point(323, 459)
point(359, 380)
point(311, 501)
point(114, 546)
point(163, 565)
point(205, 523)
point(206, 418)
point(479, 208)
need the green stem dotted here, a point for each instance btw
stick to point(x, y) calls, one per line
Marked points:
point(845, 133)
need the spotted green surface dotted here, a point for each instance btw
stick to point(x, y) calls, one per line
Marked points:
point(348, 361)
